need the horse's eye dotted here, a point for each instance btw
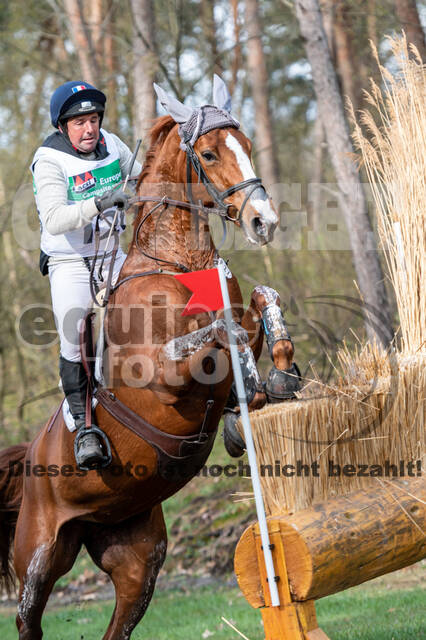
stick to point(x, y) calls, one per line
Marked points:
point(209, 156)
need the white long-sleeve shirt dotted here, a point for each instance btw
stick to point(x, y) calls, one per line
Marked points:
point(56, 215)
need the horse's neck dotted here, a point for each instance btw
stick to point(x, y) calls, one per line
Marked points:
point(175, 234)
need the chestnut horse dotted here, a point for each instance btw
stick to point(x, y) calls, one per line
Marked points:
point(170, 369)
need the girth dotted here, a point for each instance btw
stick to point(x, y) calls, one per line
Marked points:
point(177, 455)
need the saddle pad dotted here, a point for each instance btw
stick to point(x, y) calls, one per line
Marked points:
point(69, 420)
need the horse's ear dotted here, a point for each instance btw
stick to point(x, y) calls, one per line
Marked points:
point(221, 95)
point(179, 112)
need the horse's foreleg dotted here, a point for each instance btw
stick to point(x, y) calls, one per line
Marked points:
point(264, 317)
point(131, 553)
point(284, 378)
point(249, 343)
point(40, 560)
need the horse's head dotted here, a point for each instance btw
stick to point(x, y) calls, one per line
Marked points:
point(224, 155)
point(220, 154)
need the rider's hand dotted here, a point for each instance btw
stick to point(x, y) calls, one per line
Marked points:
point(111, 199)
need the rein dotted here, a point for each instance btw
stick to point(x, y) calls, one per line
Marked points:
point(94, 289)
point(222, 210)
point(165, 202)
point(171, 450)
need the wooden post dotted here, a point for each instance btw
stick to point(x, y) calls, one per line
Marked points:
point(291, 620)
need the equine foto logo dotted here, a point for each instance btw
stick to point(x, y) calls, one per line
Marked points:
point(306, 320)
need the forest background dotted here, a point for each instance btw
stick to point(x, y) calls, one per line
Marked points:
point(257, 48)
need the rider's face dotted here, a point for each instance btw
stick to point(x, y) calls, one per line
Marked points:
point(83, 132)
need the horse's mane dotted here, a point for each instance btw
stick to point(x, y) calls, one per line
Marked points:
point(157, 135)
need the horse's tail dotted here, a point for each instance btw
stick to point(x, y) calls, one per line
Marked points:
point(11, 475)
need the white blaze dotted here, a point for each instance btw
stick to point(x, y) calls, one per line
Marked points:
point(268, 215)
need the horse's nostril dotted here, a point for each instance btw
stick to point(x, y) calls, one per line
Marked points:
point(259, 227)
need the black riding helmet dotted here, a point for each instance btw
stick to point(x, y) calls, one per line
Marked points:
point(75, 98)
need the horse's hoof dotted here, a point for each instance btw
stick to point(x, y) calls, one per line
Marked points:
point(258, 401)
point(282, 384)
point(234, 444)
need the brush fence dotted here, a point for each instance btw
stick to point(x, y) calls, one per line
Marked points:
point(362, 433)
point(342, 473)
point(343, 486)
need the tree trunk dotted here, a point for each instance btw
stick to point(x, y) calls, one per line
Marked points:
point(111, 71)
point(265, 147)
point(96, 30)
point(345, 56)
point(351, 195)
point(236, 63)
point(80, 36)
point(145, 65)
point(408, 15)
point(317, 174)
point(2, 385)
point(22, 382)
point(45, 47)
point(372, 22)
point(327, 10)
point(209, 32)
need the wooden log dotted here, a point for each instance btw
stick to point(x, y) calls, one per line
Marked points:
point(342, 542)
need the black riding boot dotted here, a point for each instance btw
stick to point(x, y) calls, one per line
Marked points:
point(89, 452)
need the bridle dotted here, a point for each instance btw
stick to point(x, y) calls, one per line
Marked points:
point(219, 197)
point(221, 209)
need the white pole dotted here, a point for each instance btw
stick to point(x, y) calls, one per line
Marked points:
point(245, 419)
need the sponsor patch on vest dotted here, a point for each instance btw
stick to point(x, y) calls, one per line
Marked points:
point(94, 182)
point(83, 181)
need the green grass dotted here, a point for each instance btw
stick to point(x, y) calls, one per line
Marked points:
point(369, 612)
point(389, 608)
point(171, 615)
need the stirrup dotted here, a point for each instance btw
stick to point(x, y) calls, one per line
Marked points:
point(106, 458)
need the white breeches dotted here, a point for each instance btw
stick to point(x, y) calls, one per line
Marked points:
point(70, 291)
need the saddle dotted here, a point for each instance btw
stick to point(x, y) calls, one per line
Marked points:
point(178, 457)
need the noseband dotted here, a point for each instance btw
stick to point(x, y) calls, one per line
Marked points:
point(219, 197)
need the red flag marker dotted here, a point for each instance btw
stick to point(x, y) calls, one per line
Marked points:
point(205, 285)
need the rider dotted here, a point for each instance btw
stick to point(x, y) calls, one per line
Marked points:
point(77, 172)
